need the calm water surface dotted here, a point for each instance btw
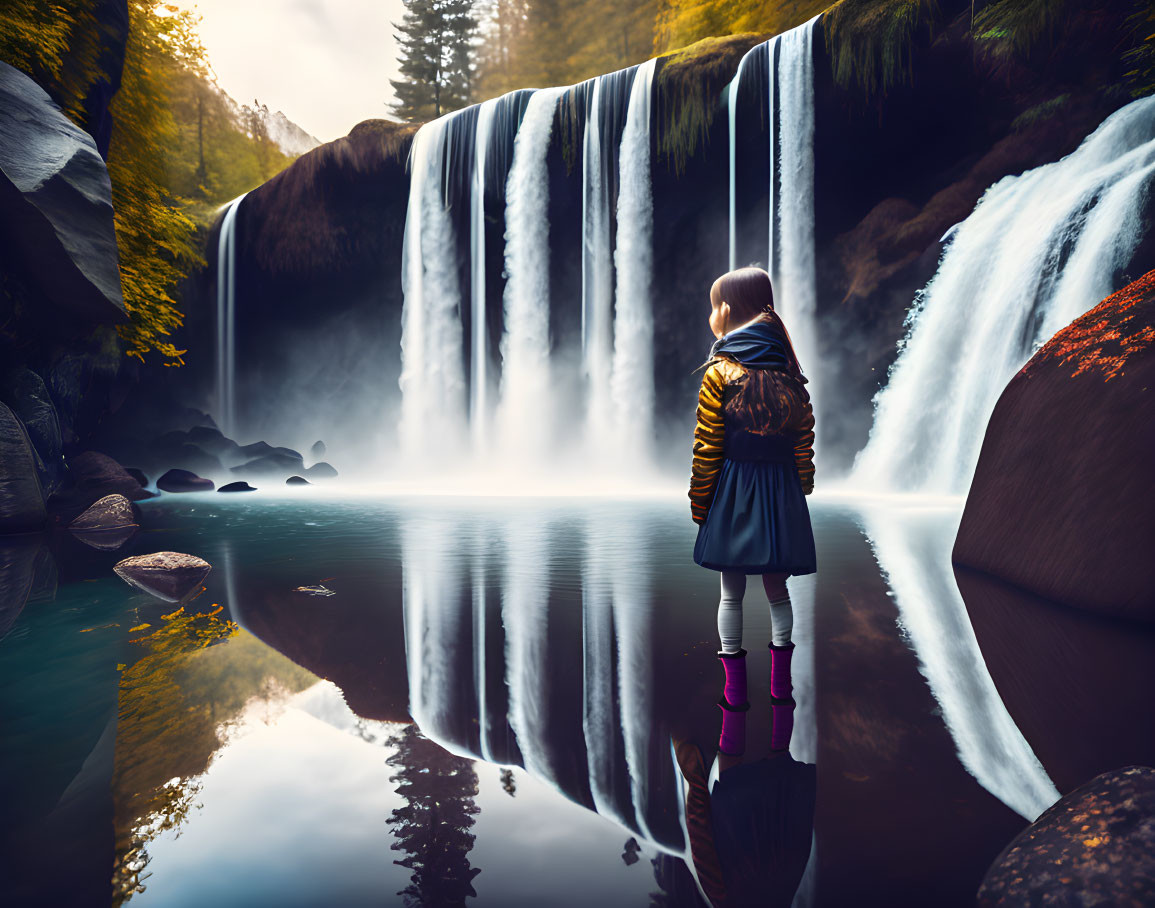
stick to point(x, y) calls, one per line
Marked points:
point(435, 701)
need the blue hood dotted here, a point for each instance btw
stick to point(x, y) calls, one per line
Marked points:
point(757, 346)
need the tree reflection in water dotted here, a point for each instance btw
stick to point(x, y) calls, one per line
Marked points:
point(433, 827)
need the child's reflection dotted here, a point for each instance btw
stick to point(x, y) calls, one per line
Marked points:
point(750, 828)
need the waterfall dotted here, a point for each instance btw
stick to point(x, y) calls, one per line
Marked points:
point(526, 407)
point(602, 138)
point(432, 371)
point(227, 319)
point(1038, 250)
point(784, 65)
point(632, 376)
point(479, 355)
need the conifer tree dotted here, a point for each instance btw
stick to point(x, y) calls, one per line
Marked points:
point(436, 73)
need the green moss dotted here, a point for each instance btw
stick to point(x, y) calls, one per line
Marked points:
point(1015, 27)
point(1039, 112)
point(689, 84)
point(870, 41)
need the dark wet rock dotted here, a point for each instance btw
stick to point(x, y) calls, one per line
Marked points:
point(184, 481)
point(239, 486)
point(94, 475)
point(275, 465)
point(318, 449)
point(109, 513)
point(171, 576)
point(26, 394)
point(213, 441)
point(321, 470)
point(1060, 501)
point(138, 475)
point(1096, 846)
point(82, 385)
point(21, 500)
point(56, 200)
point(297, 481)
point(18, 558)
point(1051, 663)
point(264, 449)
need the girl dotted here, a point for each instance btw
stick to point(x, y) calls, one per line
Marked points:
point(753, 465)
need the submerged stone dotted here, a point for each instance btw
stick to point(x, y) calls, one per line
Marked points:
point(239, 486)
point(297, 481)
point(171, 576)
point(184, 481)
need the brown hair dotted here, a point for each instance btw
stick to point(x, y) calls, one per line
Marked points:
point(750, 296)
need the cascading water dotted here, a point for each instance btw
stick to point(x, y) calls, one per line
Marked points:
point(785, 66)
point(432, 371)
point(525, 406)
point(632, 378)
point(601, 141)
point(1038, 250)
point(227, 319)
point(479, 356)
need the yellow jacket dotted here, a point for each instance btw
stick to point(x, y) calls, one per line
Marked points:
point(772, 403)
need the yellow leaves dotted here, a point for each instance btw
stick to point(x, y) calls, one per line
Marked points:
point(139, 627)
point(89, 630)
point(172, 615)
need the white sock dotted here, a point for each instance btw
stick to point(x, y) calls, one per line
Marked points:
point(781, 620)
point(730, 611)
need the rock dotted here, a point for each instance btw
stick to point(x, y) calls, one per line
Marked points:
point(171, 576)
point(56, 199)
point(1060, 501)
point(138, 475)
point(1096, 846)
point(321, 470)
point(297, 481)
point(239, 486)
point(264, 449)
point(26, 394)
point(109, 513)
point(184, 481)
point(173, 450)
point(275, 464)
point(213, 441)
point(21, 500)
point(95, 475)
point(318, 449)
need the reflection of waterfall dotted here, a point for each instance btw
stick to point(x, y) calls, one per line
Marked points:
point(914, 555)
point(525, 408)
point(1038, 250)
point(784, 65)
point(227, 319)
point(632, 378)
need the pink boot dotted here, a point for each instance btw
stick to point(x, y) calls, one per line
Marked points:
point(780, 686)
point(734, 664)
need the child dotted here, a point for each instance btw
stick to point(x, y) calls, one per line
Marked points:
point(753, 465)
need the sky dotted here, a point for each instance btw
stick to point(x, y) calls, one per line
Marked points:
point(325, 64)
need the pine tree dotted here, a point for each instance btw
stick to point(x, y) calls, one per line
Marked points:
point(436, 74)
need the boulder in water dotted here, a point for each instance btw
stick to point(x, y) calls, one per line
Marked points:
point(184, 481)
point(21, 500)
point(238, 486)
point(297, 481)
point(171, 576)
point(112, 512)
point(1096, 846)
point(321, 470)
point(1060, 501)
point(264, 449)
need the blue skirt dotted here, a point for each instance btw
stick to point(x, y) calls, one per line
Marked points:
point(758, 522)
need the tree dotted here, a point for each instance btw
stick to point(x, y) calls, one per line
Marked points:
point(436, 75)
